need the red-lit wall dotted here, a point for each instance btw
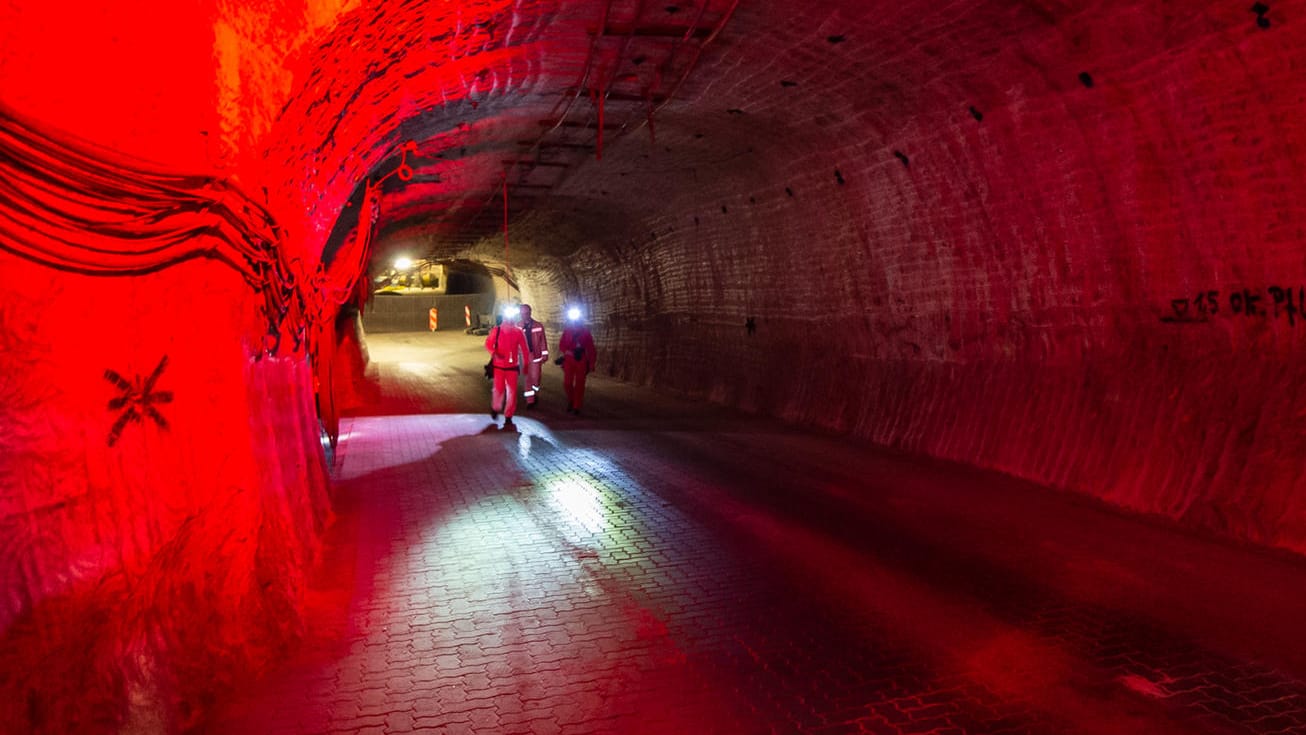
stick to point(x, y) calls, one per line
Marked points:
point(151, 570)
point(143, 571)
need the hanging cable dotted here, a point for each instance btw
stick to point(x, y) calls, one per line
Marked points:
point(698, 52)
point(76, 209)
point(507, 267)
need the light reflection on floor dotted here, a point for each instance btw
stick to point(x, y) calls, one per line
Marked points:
point(560, 579)
point(579, 500)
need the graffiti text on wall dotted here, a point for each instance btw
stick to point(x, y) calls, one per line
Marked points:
point(1274, 302)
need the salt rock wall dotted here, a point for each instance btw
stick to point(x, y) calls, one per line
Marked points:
point(1066, 246)
point(152, 549)
point(162, 482)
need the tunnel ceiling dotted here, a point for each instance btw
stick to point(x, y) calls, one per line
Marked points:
point(583, 114)
point(519, 103)
point(587, 117)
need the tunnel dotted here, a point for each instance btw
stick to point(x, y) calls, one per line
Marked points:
point(946, 369)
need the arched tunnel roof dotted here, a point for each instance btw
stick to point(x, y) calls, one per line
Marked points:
point(583, 115)
point(477, 115)
point(590, 117)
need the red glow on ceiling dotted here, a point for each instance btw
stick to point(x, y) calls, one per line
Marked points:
point(299, 102)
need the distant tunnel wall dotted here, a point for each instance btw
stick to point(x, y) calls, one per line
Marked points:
point(411, 312)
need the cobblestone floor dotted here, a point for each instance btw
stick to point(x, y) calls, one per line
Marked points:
point(665, 567)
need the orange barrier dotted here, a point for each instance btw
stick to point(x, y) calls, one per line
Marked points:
point(435, 319)
point(467, 315)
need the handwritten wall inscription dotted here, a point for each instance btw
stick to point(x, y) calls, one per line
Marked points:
point(1274, 302)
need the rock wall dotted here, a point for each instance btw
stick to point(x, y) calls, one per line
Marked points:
point(1064, 245)
point(163, 494)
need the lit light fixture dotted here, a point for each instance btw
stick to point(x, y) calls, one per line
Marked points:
point(573, 313)
point(511, 311)
point(403, 264)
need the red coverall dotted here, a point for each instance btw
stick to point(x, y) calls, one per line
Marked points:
point(506, 344)
point(574, 369)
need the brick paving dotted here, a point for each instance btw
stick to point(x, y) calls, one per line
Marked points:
point(665, 567)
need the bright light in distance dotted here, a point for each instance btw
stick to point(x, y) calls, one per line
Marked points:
point(403, 264)
point(510, 311)
point(573, 313)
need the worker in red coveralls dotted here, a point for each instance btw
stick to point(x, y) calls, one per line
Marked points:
point(577, 348)
point(537, 351)
point(507, 346)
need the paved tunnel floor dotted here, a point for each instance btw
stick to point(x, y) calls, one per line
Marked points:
point(665, 566)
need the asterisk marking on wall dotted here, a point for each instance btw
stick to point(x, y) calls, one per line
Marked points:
point(138, 400)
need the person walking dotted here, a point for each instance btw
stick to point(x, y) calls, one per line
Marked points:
point(578, 358)
point(507, 346)
point(537, 351)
